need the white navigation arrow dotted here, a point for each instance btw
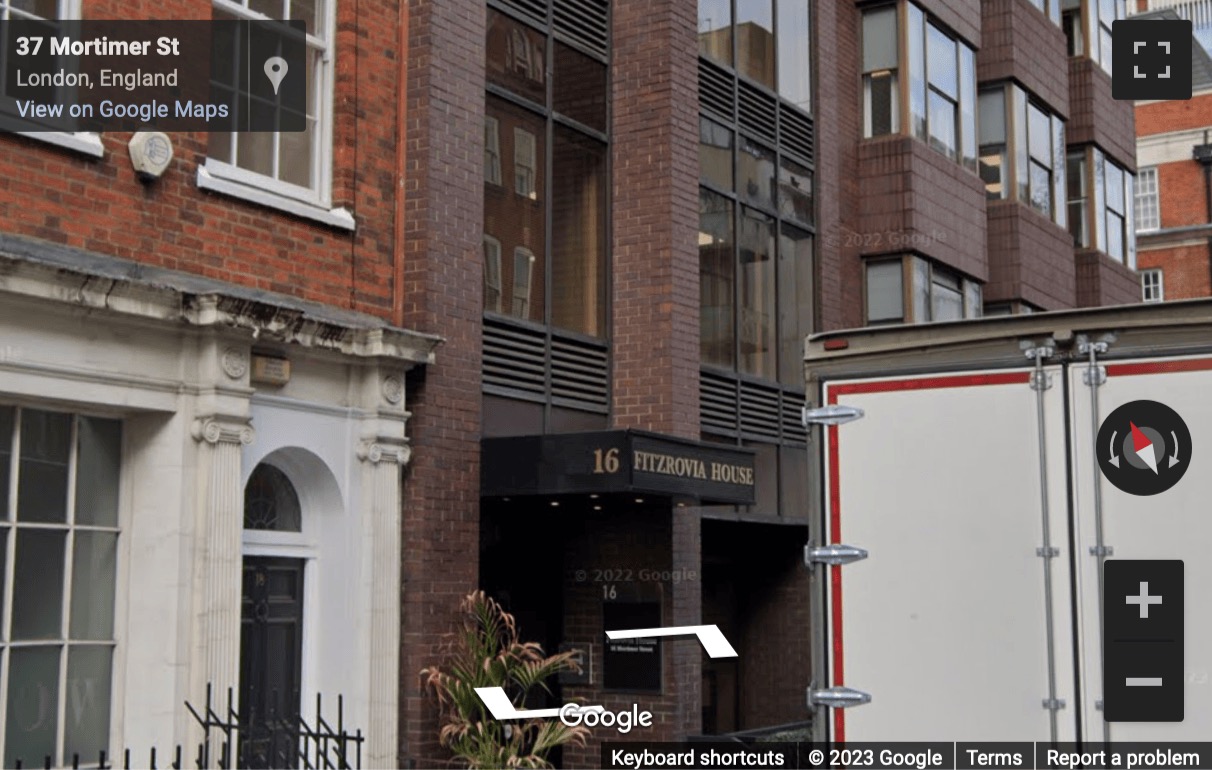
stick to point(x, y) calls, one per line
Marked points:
point(712, 639)
point(501, 707)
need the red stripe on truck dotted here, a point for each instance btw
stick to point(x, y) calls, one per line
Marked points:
point(835, 494)
point(1160, 367)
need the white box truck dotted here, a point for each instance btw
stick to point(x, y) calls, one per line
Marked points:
point(964, 521)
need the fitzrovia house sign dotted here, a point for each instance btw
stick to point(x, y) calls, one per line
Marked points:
point(617, 461)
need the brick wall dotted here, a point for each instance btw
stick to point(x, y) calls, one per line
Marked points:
point(655, 216)
point(840, 276)
point(1185, 269)
point(98, 204)
point(1166, 117)
point(1183, 199)
point(1020, 42)
point(1095, 117)
point(1103, 281)
point(444, 275)
point(1030, 258)
point(914, 198)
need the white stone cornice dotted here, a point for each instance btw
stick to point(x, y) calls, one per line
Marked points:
point(376, 452)
point(222, 430)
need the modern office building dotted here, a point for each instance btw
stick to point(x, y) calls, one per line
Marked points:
point(621, 219)
point(1174, 186)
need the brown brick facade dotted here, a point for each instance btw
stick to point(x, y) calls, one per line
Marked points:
point(1030, 258)
point(913, 198)
point(443, 271)
point(1103, 281)
point(1019, 42)
point(1095, 117)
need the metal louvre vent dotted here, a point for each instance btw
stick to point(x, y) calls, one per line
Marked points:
point(513, 358)
point(793, 424)
point(583, 21)
point(759, 411)
point(536, 9)
point(578, 374)
point(796, 132)
point(716, 90)
point(757, 112)
point(717, 402)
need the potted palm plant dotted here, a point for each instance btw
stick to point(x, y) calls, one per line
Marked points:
point(487, 652)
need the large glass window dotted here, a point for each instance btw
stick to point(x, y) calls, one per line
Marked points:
point(1087, 25)
point(1101, 205)
point(1013, 124)
point(940, 87)
point(755, 40)
point(545, 255)
point(1050, 7)
point(936, 292)
point(770, 39)
point(756, 287)
point(795, 52)
point(292, 164)
point(715, 30)
point(58, 562)
point(881, 106)
point(1148, 207)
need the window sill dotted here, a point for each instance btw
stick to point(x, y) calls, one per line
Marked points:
point(339, 218)
point(83, 142)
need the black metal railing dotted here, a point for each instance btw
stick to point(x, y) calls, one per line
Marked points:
point(276, 738)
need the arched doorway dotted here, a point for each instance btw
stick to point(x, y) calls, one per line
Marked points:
point(271, 626)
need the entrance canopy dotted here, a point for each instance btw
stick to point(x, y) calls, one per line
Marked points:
point(617, 461)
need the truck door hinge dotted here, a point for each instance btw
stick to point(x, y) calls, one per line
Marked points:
point(837, 697)
point(1102, 550)
point(1054, 704)
point(1094, 374)
point(1047, 552)
point(833, 554)
point(1040, 380)
point(834, 414)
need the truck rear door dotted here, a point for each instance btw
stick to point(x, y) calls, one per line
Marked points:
point(1175, 524)
point(959, 621)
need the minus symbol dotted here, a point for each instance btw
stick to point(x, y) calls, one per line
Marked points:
point(1144, 681)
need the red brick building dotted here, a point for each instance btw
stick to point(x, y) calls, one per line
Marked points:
point(621, 219)
point(1173, 203)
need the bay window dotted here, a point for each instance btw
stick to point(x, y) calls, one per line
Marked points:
point(1087, 25)
point(939, 88)
point(916, 290)
point(1101, 201)
point(1015, 126)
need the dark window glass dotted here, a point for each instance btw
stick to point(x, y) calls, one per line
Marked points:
point(517, 57)
point(879, 93)
point(1041, 189)
point(795, 191)
point(1071, 23)
point(579, 91)
point(97, 471)
point(793, 477)
point(765, 477)
point(993, 160)
point(715, 30)
point(38, 584)
point(885, 291)
point(715, 154)
point(795, 62)
point(757, 266)
point(6, 455)
point(514, 212)
point(270, 501)
point(946, 296)
point(795, 299)
point(755, 40)
point(755, 165)
point(578, 246)
point(717, 279)
point(42, 475)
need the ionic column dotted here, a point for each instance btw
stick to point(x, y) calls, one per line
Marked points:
point(382, 461)
point(220, 522)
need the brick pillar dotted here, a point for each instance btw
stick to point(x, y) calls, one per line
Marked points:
point(443, 279)
point(656, 266)
point(656, 288)
point(840, 277)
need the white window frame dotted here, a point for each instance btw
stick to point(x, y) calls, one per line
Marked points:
point(492, 150)
point(1147, 200)
point(314, 204)
point(492, 271)
point(525, 163)
point(83, 142)
point(521, 291)
point(1152, 285)
point(71, 527)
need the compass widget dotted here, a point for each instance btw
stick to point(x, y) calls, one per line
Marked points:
point(1144, 447)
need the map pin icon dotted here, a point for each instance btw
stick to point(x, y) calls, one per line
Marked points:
point(275, 70)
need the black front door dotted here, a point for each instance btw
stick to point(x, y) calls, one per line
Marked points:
point(271, 654)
